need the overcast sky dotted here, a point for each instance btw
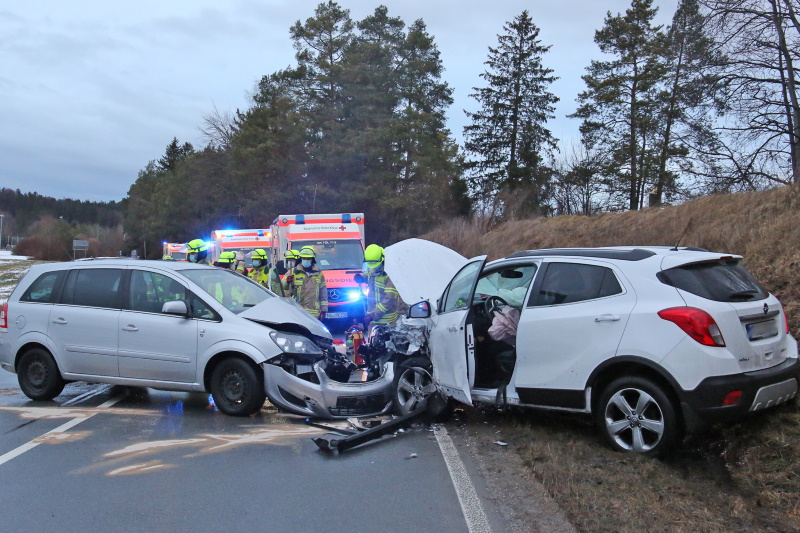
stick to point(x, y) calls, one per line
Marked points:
point(90, 90)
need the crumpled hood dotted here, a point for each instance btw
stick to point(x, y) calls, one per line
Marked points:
point(421, 269)
point(283, 310)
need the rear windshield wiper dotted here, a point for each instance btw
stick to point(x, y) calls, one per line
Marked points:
point(744, 295)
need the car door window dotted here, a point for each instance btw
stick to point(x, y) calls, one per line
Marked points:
point(460, 291)
point(43, 289)
point(200, 309)
point(565, 283)
point(93, 287)
point(149, 291)
point(510, 284)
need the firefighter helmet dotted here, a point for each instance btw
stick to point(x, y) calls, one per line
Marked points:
point(291, 254)
point(307, 252)
point(258, 253)
point(227, 258)
point(197, 245)
point(373, 254)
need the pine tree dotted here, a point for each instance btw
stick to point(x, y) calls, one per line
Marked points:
point(508, 140)
point(690, 99)
point(618, 106)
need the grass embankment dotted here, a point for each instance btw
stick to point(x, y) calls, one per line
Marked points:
point(735, 477)
point(11, 271)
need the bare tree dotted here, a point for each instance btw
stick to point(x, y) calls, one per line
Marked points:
point(761, 39)
point(218, 127)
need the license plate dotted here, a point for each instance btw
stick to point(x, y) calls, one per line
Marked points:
point(342, 314)
point(761, 330)
point(304, 369)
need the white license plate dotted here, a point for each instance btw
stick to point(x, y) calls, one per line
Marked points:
point(342, 314)
point(761, 330)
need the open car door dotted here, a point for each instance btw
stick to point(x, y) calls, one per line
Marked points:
point(452, 342)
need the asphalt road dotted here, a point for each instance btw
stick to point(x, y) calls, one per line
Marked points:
point(110, 459)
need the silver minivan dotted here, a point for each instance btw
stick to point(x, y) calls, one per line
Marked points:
point(172, 326)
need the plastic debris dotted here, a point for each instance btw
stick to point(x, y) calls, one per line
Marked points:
point(501, 443)
point(412, 456)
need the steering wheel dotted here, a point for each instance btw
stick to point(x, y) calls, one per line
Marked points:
point(493, 303)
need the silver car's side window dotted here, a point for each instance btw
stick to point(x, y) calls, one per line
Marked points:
point(149, 291)
point(565, 283)
point(43, 289)
point(93, 287)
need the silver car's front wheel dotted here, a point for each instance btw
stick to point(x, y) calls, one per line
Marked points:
point(635, 415)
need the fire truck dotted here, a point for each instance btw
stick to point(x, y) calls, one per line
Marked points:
point(176, 250)
point(239, 240)
point(338, 242)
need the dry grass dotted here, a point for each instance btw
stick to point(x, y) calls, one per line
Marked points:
point(737, 477)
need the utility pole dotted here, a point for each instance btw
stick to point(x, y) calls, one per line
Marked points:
point(1, 231)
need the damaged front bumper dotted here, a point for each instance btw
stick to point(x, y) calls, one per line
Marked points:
point(328, 398)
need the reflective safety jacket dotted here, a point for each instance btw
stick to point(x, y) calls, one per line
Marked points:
point(310, 290)
point(259, 275)
point(274, 282)
point(383, 300)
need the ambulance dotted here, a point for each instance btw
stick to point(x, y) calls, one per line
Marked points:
point(242, 241)
point(176, 250)
point(338, 242)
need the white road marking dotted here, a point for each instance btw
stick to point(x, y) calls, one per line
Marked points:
point(86, 395)
point(16, 452)
point(477, 521)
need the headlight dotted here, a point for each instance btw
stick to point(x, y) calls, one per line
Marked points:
point(296, 344)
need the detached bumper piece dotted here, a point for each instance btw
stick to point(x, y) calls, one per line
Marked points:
point(346, 442)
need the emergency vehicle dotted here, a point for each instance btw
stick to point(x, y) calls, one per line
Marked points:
point(338, 242)
point(176, 250)
point(239, 240)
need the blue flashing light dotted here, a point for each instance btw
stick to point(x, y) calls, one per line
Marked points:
point(165, 242)
point(353, 295)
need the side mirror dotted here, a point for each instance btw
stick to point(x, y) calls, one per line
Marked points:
point(420, 310)
point(177, 307)
point(359, 279)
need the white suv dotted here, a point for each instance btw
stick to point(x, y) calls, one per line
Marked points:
point(652, 341)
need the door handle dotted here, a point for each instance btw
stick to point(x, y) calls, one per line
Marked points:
point(130, 327)
point(607, 318)
point(59, 321)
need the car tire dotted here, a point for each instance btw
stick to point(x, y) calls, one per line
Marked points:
point(38, 375)
point(412, 384)
point(236, 388)
point(635, 415)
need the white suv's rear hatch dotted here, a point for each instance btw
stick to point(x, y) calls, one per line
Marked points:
point(750, 319)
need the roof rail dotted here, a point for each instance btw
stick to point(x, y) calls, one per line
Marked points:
point(636, 254)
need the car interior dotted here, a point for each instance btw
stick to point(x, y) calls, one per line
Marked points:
point(498, 292)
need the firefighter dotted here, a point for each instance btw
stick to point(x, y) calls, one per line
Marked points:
point(197, 252)
point(259, 271)
point(240, 266)
point(308, 284)
point(383, 300)
point(290, 262)
point(226, 260)
point(166, 257)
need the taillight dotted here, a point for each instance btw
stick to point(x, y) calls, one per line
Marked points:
point(696, 323)
point(786, 322)
point(732, 398)
point(4, 316)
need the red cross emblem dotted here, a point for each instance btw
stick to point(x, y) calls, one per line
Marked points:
point(342, 228)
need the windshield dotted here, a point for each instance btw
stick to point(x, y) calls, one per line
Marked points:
point(335, 255)
point(242, 252)
point(232, 290)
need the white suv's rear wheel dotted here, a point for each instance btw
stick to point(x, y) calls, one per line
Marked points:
point(635, 415)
